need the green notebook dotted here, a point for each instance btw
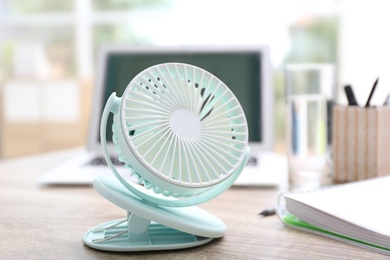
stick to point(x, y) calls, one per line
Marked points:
point(356, 213)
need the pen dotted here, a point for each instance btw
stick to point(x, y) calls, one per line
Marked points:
point(267, 212)
point(372, 92)
point(350, 95)
point(387, 101)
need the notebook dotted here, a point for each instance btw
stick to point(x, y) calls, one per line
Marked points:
point(355, 213)
point(246, 70)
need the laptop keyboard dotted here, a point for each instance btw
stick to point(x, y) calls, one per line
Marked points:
point(252, 161)
point(102, 161)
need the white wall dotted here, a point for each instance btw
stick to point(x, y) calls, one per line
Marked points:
point(365, 48)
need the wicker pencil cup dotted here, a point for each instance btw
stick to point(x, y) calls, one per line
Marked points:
point(361, 143)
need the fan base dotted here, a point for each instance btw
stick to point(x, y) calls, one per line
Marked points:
point(150, 227)
point(157, 237)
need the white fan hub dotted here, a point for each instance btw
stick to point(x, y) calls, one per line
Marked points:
point(185, 123)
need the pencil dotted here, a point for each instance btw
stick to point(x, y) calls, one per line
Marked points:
point(372, 92)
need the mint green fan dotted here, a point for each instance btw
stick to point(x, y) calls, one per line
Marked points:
point(183, 135)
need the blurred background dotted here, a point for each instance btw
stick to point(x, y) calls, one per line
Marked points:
point(48, 51)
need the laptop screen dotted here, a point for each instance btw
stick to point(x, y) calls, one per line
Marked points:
point(243, 70)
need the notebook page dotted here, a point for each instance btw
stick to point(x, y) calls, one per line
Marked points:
point(365, 203)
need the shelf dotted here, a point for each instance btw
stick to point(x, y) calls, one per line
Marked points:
point(52, 19)
point(56, 19)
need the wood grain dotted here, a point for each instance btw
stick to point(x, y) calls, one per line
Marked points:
point(49, 222)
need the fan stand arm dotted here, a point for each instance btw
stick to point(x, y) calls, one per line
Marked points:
point(137, 225)
point(137, 230)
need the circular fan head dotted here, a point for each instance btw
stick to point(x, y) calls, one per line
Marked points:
point(184, 125)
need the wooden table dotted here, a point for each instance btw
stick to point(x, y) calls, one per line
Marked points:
point(49, 222)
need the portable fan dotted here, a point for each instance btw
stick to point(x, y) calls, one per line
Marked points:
point(183, 134)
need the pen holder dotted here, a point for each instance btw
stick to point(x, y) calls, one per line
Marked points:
point(361, 143)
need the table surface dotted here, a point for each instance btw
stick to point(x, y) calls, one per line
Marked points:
point(49, 222)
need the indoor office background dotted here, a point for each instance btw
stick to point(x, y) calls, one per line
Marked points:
point(48, 51)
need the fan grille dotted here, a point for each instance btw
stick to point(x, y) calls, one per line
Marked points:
point(184, 124)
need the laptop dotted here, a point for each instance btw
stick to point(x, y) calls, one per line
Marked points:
point(246, 70)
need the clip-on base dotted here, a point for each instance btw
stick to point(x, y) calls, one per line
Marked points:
point(150, 227)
